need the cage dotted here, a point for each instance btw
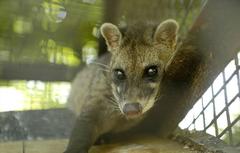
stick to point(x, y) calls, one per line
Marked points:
point(45, 43)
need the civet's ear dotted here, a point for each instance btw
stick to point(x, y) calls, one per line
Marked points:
point(112, 36)
point(166, 33)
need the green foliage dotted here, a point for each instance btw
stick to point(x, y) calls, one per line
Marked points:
point(48, 31)
point(25, 95)
point(28, 27)
point(235, 134)
point(65, 32)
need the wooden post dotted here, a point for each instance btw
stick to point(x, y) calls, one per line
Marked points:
point(37, 71)
point(111, 14)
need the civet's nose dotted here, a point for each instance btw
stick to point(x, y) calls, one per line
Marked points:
point(130, 109)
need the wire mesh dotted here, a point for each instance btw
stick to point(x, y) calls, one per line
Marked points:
point(217, 112)
point(54, 31)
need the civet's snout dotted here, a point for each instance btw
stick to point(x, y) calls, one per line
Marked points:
point(132, 110)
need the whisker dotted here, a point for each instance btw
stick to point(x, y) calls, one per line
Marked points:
point(105, 70)
point(111, 98)
point(116, 106)
point(100, 64)
point(111, 101)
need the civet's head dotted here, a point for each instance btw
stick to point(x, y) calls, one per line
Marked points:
point(139, 56)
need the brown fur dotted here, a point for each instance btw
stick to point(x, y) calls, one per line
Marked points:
point(98, 100)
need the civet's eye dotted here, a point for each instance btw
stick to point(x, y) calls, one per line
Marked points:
point(150, 72)
point(119, 74)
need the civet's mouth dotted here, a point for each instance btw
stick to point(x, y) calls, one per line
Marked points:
point(132, 110)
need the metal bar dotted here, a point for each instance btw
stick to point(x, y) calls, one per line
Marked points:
point(227, 111)
point(220, 113)
point(229, 127)
point(204, 119)
point(37, 71)
point(215, 95)
point(214, 114)
point(238, 75)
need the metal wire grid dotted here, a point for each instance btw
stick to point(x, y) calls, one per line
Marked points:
point(218, 111)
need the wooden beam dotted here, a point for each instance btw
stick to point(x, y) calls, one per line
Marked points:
point(37, 71)
point(28, 131)
point(203, 142)
point(11, 147)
